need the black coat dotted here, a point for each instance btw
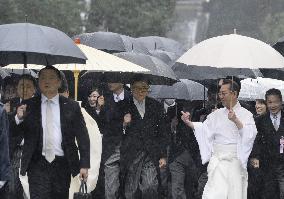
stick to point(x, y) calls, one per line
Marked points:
point(5, 166)
point(266, 145)
point(150, 134)
point(72, 126)
point(112, 118)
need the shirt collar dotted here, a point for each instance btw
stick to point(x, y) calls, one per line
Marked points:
point(121, 95)
point(278, 115)
point(55, 99)
point(237, 106)
point(139, 103)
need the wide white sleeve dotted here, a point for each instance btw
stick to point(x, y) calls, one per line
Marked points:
point(204, 134)
point(245, 140)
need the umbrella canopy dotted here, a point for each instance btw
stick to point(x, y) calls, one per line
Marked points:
point(253, 89)
point(98, 61)
point(225, 55)
point(185, 89)
point(112, 42)
point(21, 71)
point(25, 43)
point(159, 72)
point(162, 43)
point(167, 57)
point(279, 45)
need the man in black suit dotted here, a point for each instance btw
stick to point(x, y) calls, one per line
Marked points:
point(51, 123)
point(112, 116)
point(268, 154)
point(144, 148)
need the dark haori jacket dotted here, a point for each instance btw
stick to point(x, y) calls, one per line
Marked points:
point(267, 143)
point(183, 139)
point(5, 166)
point(112, 119)
point(150, 134)
point(72, 126)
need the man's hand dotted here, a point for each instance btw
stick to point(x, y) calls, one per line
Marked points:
point(21, 111)
point(254, 162)
point(233, 117)
point(127, 119)
point(7, 107)
point(83, 174)
point(101, 101)
point(162, 163)
point(186, 118)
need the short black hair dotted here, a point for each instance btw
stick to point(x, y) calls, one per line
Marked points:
point(50, 67)
point(64, 84)
point(235, 79)
point(93, 89)
point(28, 77)
point(234, 86)
point(140, 78)
point(273, 91)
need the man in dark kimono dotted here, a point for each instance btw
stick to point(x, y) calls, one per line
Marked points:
point(144, 147)
point(268, 152)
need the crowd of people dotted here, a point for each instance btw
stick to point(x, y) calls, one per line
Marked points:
point(221, 148)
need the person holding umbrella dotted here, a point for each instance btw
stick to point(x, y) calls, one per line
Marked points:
point(225, 140)
point(50, 124)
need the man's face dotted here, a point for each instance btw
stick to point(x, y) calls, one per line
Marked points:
point(49, 82)
point(25, 89)
point(115, 86)
point(274, 104)
point(140, 90)
point(226, 95)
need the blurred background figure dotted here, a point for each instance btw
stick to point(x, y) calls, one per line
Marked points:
point(260, 107)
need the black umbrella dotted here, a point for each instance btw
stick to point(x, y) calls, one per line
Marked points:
point(25, 43)
point(111, 42)
point(159, 72)
point(279, 46)
point(162, 43)
point(167, 57)
point(185, 90)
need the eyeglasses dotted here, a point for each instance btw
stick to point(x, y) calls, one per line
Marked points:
point(141, 89)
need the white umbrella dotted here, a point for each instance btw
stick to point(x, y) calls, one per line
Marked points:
point(98, 61)
point(227, 55)
point(253, 89)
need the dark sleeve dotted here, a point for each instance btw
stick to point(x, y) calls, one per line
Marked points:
point(4, 147)
point(164, 132)
point(257, 145)
point(82, 138)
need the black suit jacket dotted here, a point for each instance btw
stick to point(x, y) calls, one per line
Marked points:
point(112, 116)
point(266, 145)
point(72, 126)
point(150, 134)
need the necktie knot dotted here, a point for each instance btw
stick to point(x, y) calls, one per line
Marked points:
point(117, 98)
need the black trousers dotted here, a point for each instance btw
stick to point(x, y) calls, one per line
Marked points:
point(4, 192)
point(49, 180)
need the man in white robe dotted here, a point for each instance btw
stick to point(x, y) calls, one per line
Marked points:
point(225, 139)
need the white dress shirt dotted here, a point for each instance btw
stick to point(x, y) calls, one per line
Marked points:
point(120, 96)
point(278, 115)
point(218, 129)
point(140, 107)
point(56, 124)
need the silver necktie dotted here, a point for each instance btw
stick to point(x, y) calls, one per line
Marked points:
point(49, 148)
point(275, 122)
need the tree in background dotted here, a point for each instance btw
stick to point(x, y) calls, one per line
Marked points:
point(261, 19)
point(134, 17)
point(64, 15)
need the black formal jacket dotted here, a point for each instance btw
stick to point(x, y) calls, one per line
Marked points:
point(266, 145)
point(150, 134)
point(72, 126)
point(112, 118)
